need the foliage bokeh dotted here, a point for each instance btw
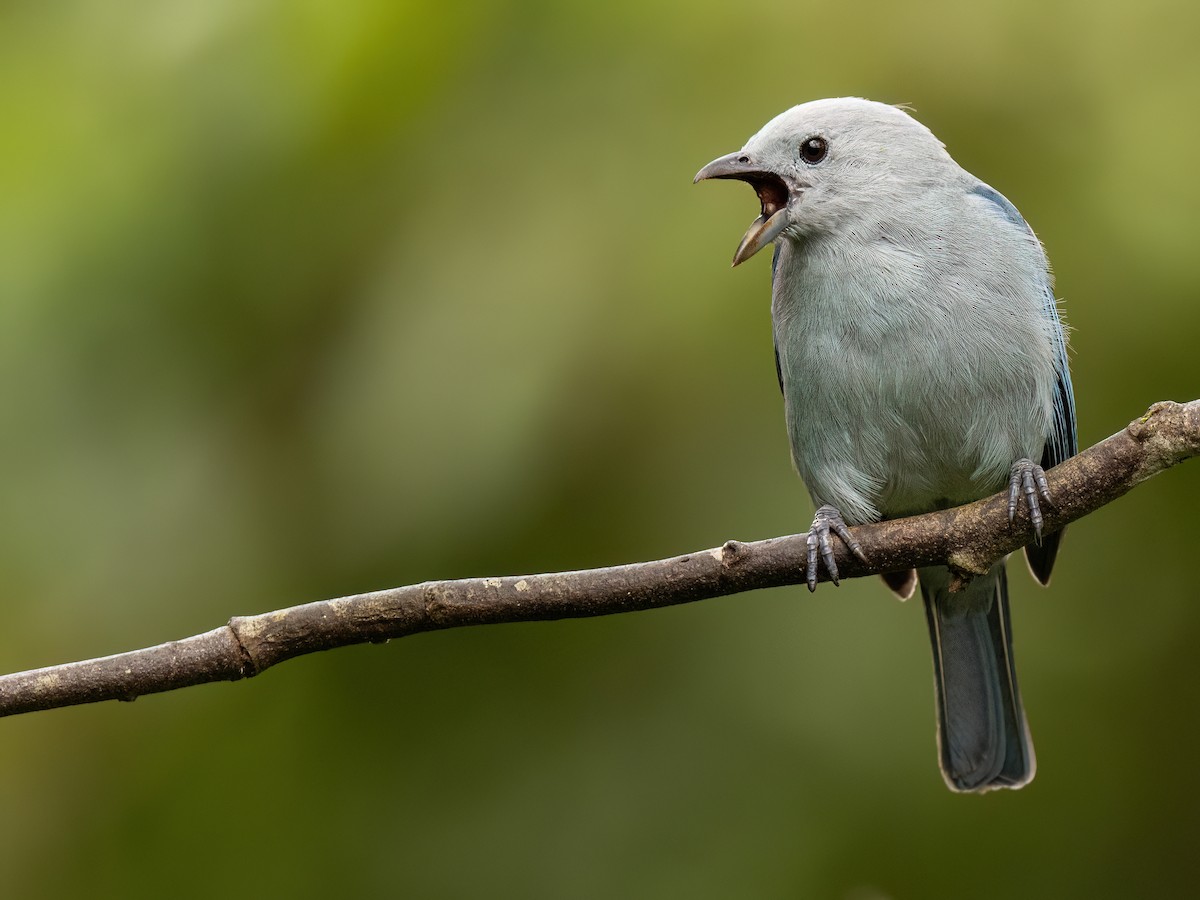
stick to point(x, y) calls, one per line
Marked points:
point(304, 299)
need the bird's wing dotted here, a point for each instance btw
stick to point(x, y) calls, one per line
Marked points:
point(1061, 442)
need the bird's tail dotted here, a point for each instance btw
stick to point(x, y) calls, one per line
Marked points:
point(983, 740)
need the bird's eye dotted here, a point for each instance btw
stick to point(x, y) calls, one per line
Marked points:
point(813, 150)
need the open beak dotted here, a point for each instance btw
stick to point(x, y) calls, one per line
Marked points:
point(772, 193)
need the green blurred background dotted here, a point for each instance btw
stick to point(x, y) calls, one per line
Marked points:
point(304, 299)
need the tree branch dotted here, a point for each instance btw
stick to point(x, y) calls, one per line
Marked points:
point(969, 538)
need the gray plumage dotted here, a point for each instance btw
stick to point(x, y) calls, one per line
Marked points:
point(923, 365)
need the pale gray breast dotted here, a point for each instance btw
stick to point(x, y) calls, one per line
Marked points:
point(916, 362)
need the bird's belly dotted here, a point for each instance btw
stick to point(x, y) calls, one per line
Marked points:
point(881, 437)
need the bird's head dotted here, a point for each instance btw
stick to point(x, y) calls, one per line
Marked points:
point(823, 163)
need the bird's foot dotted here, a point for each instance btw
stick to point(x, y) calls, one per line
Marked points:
point(1028, 479)
point(828, 519)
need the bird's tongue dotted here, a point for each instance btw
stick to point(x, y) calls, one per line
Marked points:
point(761, 232)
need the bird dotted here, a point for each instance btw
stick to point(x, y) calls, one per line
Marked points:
point(923, 364)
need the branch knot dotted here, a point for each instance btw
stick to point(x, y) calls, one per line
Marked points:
point(732, 553)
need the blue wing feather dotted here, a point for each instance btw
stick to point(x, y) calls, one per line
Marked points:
point(1061, 442)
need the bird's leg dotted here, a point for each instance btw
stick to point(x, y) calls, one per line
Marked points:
point(827, 519)
point(1028, 479)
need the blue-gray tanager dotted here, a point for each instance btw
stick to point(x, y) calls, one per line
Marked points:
point(923, 365)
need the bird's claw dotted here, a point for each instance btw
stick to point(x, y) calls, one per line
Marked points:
point(819, 544)
point(1028, 479)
